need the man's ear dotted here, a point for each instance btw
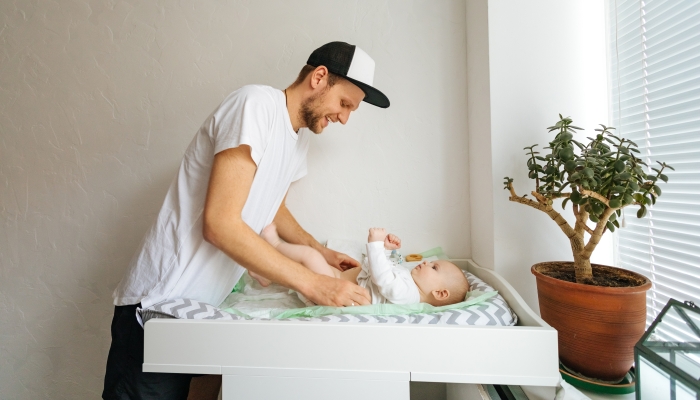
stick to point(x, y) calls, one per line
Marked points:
point(318, 75)
point(441, 294)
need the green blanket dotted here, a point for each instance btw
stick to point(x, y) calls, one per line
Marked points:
point(473, 298)
point(278, 309)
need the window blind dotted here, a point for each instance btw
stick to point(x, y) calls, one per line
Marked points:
point(654, 64)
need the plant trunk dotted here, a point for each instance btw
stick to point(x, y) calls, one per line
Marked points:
point(582, 263)
point(582, 267)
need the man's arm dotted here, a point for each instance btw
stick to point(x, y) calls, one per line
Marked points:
point(289, 229)
point(229, 186)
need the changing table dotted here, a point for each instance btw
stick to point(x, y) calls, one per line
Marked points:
point(311, 360)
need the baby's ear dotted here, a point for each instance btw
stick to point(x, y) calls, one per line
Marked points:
point(441, 294)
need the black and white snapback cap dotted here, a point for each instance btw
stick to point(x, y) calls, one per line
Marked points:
point(353, 64)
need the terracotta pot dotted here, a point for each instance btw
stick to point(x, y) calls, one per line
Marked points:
point(597, 326)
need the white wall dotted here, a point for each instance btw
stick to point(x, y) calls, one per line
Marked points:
point(479, 123)
point(405, 167)
point(545, 57)
point(98, 100)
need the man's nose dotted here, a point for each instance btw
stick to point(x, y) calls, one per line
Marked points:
point(343, 117)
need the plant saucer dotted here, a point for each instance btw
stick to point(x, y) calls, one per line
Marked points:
point(623, 387)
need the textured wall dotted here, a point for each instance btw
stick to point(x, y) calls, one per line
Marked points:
point(98, 100)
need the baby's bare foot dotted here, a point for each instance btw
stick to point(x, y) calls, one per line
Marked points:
point(264, 282)
point(270, 234)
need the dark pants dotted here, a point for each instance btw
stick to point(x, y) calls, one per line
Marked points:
point(124, 378)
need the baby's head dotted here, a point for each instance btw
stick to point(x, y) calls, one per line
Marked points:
point(441, 283)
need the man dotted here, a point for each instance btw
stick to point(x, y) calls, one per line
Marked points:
point(232, 183)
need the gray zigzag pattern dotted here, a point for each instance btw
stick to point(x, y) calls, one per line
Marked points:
point(192, 314)
point(204, 311)
point(493, 311)
point(473, 319)
point(500, 312)
point(487, 315)
point(453, 319)
point(176, 310)
point(164, 306)
point(399, 319)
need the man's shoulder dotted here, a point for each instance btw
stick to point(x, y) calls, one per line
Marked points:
point(257, 100)
point(257, 93)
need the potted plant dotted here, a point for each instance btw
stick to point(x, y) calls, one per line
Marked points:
point(598, 311)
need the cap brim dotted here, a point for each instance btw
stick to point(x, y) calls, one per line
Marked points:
point(372, 95)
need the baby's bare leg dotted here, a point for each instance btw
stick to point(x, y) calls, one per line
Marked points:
point(264, 282)
point(305, 255)
point(350, 274)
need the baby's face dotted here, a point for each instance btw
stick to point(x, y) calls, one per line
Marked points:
point(433, 275)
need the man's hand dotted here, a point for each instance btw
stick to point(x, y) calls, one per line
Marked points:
point(392, 242)
point(327, 291)
point(337, 260)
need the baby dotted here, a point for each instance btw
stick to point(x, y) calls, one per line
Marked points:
point(437, 282)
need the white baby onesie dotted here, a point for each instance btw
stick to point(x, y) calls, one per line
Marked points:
point(386, 282)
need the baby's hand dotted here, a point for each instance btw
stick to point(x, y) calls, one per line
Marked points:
point(392, 242)
point(376, 235)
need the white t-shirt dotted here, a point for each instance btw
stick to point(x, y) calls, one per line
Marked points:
point(386, 282)
point(174, 260)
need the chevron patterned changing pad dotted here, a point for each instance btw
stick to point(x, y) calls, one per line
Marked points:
point(493, 311)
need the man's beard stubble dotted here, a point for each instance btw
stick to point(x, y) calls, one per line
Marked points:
point(308, 112)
